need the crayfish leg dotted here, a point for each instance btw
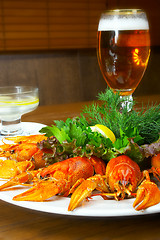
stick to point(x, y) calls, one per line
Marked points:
point(28, 139)
point(156, 173)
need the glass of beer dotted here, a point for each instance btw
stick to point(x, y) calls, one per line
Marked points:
point(123, 50)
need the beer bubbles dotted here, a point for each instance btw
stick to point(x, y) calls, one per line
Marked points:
point(123, 50)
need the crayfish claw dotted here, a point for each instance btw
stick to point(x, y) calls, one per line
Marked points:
point(42, 191)
point(148, 195)
point(20, 179)
point(84, 190)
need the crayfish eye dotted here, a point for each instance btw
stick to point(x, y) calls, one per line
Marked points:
point(44, 177)
point(127, 185)
point(120, 183)
point(12, 151)
point(32, 159)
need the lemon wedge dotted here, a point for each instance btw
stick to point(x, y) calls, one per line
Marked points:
point(105, 131)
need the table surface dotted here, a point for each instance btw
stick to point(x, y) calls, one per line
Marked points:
point(20, 223)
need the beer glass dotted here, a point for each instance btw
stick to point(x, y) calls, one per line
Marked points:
point(123, 50)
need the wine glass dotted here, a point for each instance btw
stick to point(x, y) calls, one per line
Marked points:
point(14, 102)
point(123, 50)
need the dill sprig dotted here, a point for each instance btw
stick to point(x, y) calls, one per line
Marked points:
point(109, 113)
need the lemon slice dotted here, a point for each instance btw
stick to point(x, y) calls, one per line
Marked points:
point(105, 131)
point(13, 102)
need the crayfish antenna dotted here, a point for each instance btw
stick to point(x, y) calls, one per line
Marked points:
point(122, 189)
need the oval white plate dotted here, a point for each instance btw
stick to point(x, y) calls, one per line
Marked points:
point(96, 207)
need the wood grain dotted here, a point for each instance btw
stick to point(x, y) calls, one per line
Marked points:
point(18, 223)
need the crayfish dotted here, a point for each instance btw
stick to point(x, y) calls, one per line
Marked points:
point(24, 149)
point(58, 178)
point(79, 176)
point(24, 159)
point(123, 179)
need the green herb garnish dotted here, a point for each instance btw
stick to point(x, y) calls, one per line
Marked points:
point(133, 130)
point(146, 122)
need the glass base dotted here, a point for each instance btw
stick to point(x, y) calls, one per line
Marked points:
point(11, 128)
point(126, 102)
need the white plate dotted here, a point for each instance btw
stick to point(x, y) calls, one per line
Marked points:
point(96, 207)
point(29, 128)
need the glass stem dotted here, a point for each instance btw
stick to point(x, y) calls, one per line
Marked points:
point(127, 102)
point(11, 127)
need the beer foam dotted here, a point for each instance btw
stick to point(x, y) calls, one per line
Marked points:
point(109, 24)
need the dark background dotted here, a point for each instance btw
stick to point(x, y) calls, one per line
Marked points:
point(72, 75)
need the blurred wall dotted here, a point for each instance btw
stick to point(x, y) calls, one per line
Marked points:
point(62, 76)
point(65, 76)
point(68, 75)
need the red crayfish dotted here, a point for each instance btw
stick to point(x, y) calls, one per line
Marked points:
point(123, 178)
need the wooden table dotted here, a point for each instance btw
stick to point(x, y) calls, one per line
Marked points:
point(17, 223)
point(46, 114)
